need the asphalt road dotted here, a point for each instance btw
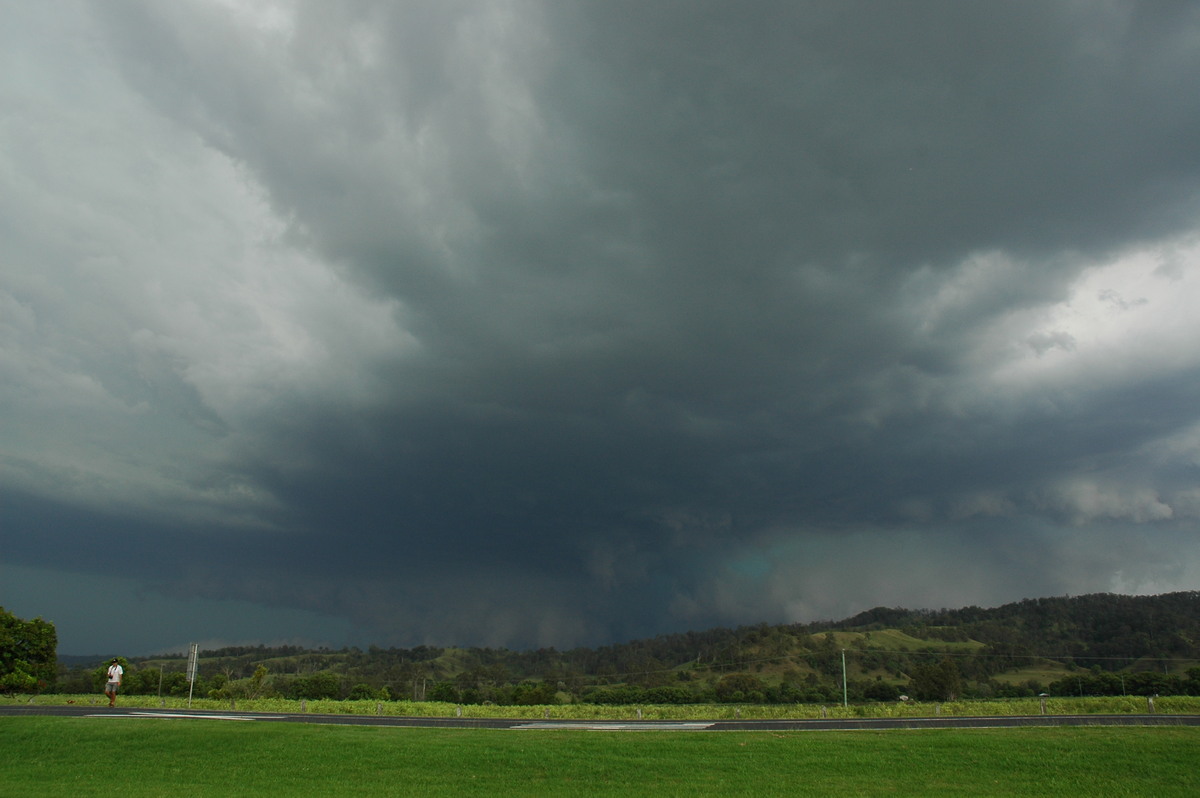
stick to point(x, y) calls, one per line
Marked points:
point(611, 725)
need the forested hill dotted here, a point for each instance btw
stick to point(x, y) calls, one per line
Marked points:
point(1022, 645)
point(1090, 627)
point(1095, 626)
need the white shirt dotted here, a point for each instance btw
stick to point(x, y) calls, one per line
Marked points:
point(114, 673)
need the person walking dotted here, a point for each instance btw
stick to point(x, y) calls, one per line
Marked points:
point(115, 672)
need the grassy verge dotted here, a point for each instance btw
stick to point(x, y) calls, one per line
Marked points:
point(1116, 705)
point(143, 757)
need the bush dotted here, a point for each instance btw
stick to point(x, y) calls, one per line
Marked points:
point(529, 693)
point(445, 691)
point(669, 695)
point(617, 695)
point(365, 692)
point(317, 686)
point(882, 691)
point(741, 687)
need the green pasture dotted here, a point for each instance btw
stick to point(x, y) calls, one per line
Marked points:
point(892, 640)
point(1044, 671)
point(133, 757)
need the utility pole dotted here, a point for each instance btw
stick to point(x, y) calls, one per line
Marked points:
point(192, 666)
point(845, 700)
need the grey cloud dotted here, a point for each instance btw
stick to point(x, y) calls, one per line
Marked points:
point(665, 303)
point(1044, 342)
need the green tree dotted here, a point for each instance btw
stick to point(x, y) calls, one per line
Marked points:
point(256, 685)
point(620, 694)
point(363, 692)
point(444, 691)
point(671, 694)
point(941, 682)
point(736, 687)
point(143, 681)
point(882, 691)
point(319, 685)
point(530, 693)
point(28, 654)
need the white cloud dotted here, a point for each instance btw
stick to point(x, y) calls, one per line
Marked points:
point(1125, 320)
point(1085, 501)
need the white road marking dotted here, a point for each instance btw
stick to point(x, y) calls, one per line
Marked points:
point(171, 715)
point(576, 725)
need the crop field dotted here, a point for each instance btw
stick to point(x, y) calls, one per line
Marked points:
point(1110, 705)
point(132, 757)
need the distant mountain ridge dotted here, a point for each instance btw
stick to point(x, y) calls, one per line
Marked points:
point(1021, 646)
point(1091, 625)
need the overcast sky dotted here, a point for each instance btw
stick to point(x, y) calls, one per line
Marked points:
point(550, 323)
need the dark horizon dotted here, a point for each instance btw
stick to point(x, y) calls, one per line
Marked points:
point(857, 620)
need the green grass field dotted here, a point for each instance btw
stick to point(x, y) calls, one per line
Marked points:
point(44, 756)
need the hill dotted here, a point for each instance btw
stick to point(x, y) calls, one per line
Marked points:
point(1144, 643)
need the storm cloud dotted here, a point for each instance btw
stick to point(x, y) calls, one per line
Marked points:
point(554, 323)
